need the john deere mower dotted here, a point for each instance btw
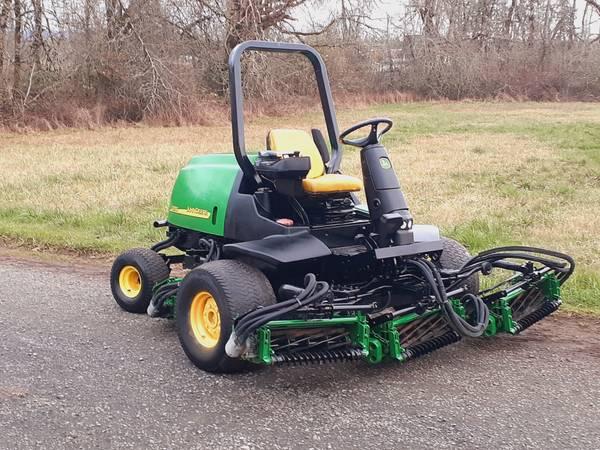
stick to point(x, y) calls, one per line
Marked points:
point(283, 264)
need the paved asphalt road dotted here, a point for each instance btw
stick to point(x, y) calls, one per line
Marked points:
point(77, 372)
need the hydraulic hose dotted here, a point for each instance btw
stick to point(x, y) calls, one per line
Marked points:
point(499, 253)
point(482, 313)
point(460, 325)
point(214, 252)
point(320, 291)
point(310, 283)
point(498, 257)
point(313, 291)
point(248, 324)
point(166, 243)
point(155, 308)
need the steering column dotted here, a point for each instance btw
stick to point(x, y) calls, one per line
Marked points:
point(389, 212)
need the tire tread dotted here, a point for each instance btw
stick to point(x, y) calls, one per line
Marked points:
point(454, 256)
point(245, 288)
point(153, 269)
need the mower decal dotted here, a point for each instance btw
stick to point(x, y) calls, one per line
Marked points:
point(192, 212)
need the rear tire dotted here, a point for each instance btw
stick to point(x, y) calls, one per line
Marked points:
point(454, 256)
point(133, 276)
point(209, 300)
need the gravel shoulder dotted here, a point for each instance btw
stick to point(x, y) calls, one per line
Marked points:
point(77, 372)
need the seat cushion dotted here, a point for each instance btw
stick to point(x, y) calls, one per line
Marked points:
point(287, 141)
point(331, 183)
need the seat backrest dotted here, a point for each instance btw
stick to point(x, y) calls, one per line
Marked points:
point(284, 140)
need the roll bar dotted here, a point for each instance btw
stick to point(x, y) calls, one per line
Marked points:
point(237, 100)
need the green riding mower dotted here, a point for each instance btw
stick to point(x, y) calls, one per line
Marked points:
point(285, 265)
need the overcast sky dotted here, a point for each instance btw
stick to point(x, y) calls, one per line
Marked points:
point(379, 14)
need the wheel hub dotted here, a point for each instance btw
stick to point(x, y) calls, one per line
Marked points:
point(130, 281)
point(205, 319)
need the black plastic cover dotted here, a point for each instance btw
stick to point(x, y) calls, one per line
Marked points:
point(319, 141)
point(280, 249)
point(409, 250)
point(294, 167)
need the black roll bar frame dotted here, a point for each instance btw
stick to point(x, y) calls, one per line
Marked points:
point(237, 100)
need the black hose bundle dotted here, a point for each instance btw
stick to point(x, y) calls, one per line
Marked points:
point(460, 325)
point(564, 269)
point(248, 324)
point(499, 257)
point(213, 250)
point(156, 306)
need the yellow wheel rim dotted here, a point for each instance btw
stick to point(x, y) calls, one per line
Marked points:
point(130, 281)
point(205, 319)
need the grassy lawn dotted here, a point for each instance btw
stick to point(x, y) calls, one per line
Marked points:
point(487, 173)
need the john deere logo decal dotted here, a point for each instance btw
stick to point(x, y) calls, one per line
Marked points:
point(193, 212)
point(385, 163)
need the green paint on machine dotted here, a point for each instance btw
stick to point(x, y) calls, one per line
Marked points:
point(201, 193)
point(382, 342)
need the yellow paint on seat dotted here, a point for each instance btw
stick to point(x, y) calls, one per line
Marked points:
point(331, 183)
point(316, 181)
point(287, 141)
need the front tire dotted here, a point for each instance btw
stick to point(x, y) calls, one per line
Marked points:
point(209, 300)
point(133, 276)
point(454, 256)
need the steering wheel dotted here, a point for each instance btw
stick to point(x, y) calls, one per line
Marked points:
point(374, 135)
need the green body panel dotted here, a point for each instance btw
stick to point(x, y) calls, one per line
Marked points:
point(201, 193)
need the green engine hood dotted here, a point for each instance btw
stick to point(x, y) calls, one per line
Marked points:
point(201, 193)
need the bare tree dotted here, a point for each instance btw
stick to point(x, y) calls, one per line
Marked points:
point(114, 15)
point(38, 31)
point(594, 4)
point(4, 14)
point(251, 19)
point(427, 11)
point(166, 59)
point(508, 22)
point(18, 39)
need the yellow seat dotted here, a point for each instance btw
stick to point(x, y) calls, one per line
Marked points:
point(330, 183)
point(316, 181)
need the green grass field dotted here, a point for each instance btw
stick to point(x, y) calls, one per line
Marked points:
point(487, 173)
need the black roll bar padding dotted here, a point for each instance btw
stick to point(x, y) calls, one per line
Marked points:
point(237, 100)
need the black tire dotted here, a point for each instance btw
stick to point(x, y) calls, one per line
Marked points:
point(454, 256)
point(237, 288)
point(151, 269)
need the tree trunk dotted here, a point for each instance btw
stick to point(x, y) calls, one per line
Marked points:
point(114, 14)
point(427, 13)
point(4, 13)
point(38, 33)
point(509, 19)
point(18, 38)
point(237, 23)
point(531, 22)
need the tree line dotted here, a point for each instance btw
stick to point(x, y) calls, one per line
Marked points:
point(64, 62)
